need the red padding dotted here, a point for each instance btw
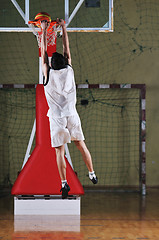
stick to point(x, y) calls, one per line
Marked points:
point(40, 174)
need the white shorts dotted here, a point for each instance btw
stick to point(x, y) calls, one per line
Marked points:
point(65, 129)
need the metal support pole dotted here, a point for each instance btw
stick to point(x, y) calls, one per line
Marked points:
point(66, 11)
point(75, 11)
point(18, 8)
point(26, 11)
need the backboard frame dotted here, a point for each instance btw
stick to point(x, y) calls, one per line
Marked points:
point(108, 27)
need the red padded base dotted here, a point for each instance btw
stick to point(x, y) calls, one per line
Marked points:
point(40, 174)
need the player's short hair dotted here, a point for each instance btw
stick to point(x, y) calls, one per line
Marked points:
point(57, 61)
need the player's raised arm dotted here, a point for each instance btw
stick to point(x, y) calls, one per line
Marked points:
point(44, 56)
point(66, 48)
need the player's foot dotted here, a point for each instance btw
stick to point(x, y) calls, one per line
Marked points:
point(93, 177)
point(65, 191)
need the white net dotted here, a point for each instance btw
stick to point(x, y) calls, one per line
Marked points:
point(51, 34)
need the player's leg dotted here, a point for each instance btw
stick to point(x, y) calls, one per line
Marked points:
point(87, 159)
point(75, 129)
point(61, 164)
point(60, 135)
point(85, 154)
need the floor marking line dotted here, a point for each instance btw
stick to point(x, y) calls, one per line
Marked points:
point(92, 225)
point(21, 237)
point(69, 237)
point(142, 238)
point(94, 237)
point(118, 238)
point(45, 237)
point(112, 219)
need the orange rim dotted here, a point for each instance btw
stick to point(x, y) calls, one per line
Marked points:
point(38, 23)
point(41, 17)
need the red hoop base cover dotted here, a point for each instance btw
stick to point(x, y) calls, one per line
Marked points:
point(40, 174)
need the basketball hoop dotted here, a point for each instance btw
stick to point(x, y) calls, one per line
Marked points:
point(53, 28)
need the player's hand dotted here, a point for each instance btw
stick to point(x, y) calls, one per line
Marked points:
point(60, 21)
point(44, 25)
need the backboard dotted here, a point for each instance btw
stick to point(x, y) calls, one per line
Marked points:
point(80, 15)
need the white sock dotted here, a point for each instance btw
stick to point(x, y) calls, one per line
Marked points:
point(63, 183)
point(92, 175)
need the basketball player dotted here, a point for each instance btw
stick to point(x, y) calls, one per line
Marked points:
point(60, 92)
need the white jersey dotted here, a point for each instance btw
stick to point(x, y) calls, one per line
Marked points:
point(60, 93)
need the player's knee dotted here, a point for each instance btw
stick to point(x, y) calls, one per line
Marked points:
point(80, 145)
point(59, 151)
point(77, 143)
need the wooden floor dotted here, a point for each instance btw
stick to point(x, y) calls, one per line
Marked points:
point(104, 216)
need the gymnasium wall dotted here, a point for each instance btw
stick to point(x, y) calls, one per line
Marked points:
point(128, 55)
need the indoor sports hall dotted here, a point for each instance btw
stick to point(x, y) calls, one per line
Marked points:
point(114, 48)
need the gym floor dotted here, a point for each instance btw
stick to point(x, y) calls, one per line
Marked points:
point(104, 216)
